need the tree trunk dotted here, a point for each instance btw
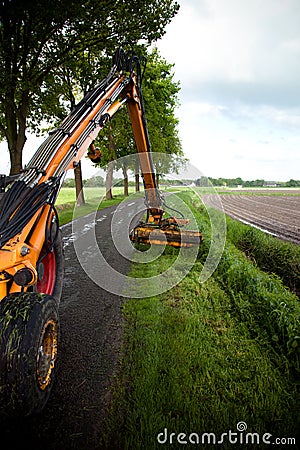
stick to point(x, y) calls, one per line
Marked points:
point(110, 167)
point(109, 180)
point(157, 181)
point(80, 200)
point(137, 175)
point(79, 185)
point(15, 134)
point(15, 152)
point(137, 182)
point(125, 176)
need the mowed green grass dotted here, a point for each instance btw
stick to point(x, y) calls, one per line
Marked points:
point(201, 358)
point(94, 200)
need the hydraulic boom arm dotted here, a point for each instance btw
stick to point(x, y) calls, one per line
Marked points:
point(27, 214)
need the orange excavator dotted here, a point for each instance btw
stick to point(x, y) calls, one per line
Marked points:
point(31, 251)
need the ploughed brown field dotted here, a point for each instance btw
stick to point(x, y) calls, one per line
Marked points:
point(276, 214)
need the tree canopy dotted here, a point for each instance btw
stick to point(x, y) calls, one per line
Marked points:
point(39, 37)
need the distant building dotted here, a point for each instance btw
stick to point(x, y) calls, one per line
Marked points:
point(271, 184)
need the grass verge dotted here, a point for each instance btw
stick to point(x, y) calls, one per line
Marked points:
point(94, 200)
point(68, 211)
point(202, 357)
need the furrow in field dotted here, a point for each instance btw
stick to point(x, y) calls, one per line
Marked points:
point(277, 215)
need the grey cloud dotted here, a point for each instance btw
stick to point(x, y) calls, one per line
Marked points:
point(227, 93)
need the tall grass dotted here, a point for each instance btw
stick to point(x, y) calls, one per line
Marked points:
point(259, 298)
point(269, 253)
point(190, 365)
point(263, 303)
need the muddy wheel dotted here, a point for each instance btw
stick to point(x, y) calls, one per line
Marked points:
point(50, 269)
point(29, 333)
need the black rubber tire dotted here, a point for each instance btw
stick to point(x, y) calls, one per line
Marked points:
point(26, 320)
point(59, 273)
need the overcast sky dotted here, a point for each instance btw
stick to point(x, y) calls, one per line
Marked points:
point(238, 63)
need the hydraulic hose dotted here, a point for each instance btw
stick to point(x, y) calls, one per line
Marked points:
point(17, 212)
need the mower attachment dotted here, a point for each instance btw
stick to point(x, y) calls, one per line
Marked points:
point(147, 233)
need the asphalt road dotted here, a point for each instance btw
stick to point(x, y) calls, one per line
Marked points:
point(91, 336)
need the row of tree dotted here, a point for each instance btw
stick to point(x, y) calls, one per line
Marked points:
point(234, 182)
point(98, 181)
point(53, 52)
